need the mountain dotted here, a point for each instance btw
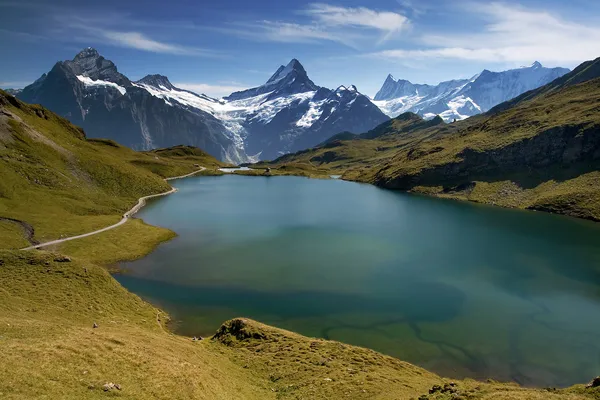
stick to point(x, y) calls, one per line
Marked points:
point(91, 93)
point(462, 98)
point(287, 113)
point(290, 113)
point(538, 151)
point(13, 92)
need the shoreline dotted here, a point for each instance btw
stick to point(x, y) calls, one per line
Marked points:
point(128, 215)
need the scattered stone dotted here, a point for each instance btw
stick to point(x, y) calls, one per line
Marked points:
point(46, 263)
point(594, 383)
point(328, 379)
point(91, 387)
point(95, 325)
point(448, 388)
point(435, 389)
point(85, 372)
point(117, 386)
point(108, 386)
point(62, 259)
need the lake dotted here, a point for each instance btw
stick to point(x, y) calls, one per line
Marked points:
point(462, 289)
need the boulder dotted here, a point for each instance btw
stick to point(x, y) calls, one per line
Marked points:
point(594, 383)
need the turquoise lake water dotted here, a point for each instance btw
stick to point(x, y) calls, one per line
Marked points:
point(464, 290)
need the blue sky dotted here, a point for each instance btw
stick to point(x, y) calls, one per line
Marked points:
point(218, 47)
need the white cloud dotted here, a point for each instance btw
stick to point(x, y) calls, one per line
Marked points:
point(511, 34)
point(385, 21)
point(286, 32)
point(216, 91)
point(105, 30)
point(140, 41)
point(345, 25)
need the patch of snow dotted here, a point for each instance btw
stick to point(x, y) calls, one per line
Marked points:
point(312, 115)
point(89, 82)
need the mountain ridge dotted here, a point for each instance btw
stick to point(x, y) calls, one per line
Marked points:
point(288, 112)
point(462, 98)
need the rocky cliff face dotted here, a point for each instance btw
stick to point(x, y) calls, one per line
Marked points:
point(91, 93)
point(567, 150)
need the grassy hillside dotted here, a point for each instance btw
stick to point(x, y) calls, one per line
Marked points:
point(540, 151)
point(58, 182)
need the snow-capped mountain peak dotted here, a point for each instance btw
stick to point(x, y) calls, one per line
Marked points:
point(282, 72)
point(459, 99)
point(288, 80)
point(89, 63)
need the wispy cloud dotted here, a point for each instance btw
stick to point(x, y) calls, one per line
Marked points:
point(511, 34)
point(325, 23)
point(101, 30)
point(139, 41)
point(334, 16)
point(213, 90)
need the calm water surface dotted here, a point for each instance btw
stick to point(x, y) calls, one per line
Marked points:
point(458, 288)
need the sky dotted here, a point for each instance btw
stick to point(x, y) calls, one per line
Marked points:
point(217, 47)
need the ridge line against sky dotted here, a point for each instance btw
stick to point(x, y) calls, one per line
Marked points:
point(232, 45)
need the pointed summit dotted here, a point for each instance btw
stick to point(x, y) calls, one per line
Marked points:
point(89, 63)
point(536, 64)
point(88, 52)
point(287, 80)
point(282, 72)
point(157, 81)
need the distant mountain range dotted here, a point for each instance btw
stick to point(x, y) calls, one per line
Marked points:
point(289, 112)
point(462, 98)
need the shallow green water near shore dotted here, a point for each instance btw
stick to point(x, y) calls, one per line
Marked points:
point(458, 288)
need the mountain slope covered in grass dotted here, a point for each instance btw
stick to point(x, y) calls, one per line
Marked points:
point(539, 151)
point(59, 183)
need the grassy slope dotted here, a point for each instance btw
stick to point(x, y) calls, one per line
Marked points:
point(62, 184)
point(511, 156)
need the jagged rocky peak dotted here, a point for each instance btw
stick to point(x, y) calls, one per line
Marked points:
point(293, 67)
point(536, 64)
point(287, 80)
point(90, 63)
point(87, 53)
point(157, 81)
point(393, 88)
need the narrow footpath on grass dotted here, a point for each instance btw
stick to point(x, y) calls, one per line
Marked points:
point(141, 203)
